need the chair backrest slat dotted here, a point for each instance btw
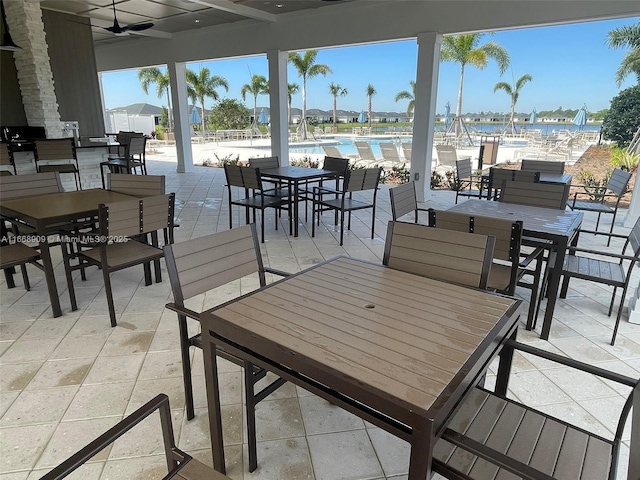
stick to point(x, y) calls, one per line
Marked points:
point(136, 185)
point(542, 166)
point(133, 217)
point(136, 145)
point(55, 149)
point(458, 257)
point(508, 234)
point(202, 264)
point(14, 186)
point(362, 179)
point(548, 195)
point(618, 181)
point(463, 169)
point(264, 163)
point(336, 164)
point(403, 200)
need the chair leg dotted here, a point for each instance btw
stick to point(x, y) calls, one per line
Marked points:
point(250, 405)
point(8, 276)
point(25, 277)
point(342, 226)
point(66, 260)
point(613, 221)
point(613, 298)
point(186, 366)
point(615, 328)
point(109, 294)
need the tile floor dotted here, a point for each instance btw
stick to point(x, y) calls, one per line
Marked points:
point(65, 380)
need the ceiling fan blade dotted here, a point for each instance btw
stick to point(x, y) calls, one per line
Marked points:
point(139, 27)
point(115, 28)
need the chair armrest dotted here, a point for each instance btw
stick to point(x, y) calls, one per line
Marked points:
point(531, 257)
point(275, 271)
point(570, 362)
point(183, 311)
point(598, 252)
point(593, 232)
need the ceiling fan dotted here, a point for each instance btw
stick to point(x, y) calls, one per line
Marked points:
point(117, 29)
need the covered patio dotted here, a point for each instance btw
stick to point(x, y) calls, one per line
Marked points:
point(67, 379)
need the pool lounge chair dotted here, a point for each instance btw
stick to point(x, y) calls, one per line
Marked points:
point(390, 153)
point(365, 153)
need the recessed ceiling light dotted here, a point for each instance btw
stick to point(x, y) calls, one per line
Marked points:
point(279, 5)
point(197, 21)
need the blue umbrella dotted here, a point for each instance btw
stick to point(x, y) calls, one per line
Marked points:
point(194, 118)
point(262, 117)
point(362, 117)
point(581, 117)
point(447, 118)
point(533, 118)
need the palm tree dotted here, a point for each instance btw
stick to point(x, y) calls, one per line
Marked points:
point(336, 90)
point(307, 68)
point(292, 89)
point(259, 85)
point(202, 85)
point(514, 93)
point(371, 91)
point(408, 95)
point(627, 36)
point(153, 75)
point(465, 50)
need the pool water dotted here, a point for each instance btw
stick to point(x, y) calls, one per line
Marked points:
point(347, 147)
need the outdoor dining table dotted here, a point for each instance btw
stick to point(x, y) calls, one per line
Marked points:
point(399, 350)
point(294, 176)
point(560, 227)
point(50, 214)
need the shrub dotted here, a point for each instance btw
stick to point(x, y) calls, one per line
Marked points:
point(620, 158)
point(594, 187)
point(397, 175)
point(159, 132)
point(436, 180)
point(226, 160)
point(623, 119)
point(305, 161)
point(229, 114)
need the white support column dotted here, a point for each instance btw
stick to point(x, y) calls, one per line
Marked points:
point(634, 206)
point(107, 118)
point(424, 113)
point(278, 93)
point(177, 76)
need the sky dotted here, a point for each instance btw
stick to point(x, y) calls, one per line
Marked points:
point(571, 65)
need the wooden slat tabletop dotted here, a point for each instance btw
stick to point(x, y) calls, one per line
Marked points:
point(535, 220)
point(41, 207)
point(395, 335)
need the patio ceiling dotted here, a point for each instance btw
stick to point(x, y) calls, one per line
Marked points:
point(174, 16)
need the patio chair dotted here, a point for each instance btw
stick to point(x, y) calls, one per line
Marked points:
point(406, 151)
point(123, 230)
point(6, 158)
point(249, 182)
point(390, 153)
point(404, 201)
point(339, 165)
point(456, 257)
point(136, 185)
point(492, 436)
point(331, 151)
point(488, 151)
point(134, 158)
point(55, 150)
point(264, 163)
point(547, 195)
point(542, 166)
point(18, 254)
point(447, 157)
point(360, 180)
point(510, 265)
point(365, 153)
point(203, 264)
point(16, 186)
point(466, 180)
point(606, 268)
point(499, 175)
point(180, 466)
point(614, 190)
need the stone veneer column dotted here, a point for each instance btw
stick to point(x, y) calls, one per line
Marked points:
point(33, 66)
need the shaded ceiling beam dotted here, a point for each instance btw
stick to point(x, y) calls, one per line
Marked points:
point(229, 6)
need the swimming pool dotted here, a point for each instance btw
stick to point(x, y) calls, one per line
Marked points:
point(347, 147)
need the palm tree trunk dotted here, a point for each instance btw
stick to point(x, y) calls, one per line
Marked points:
point(459, 105)
point(290, 120)
point(369, 111)
point(203, 117)
point(304, 108)
point(169, 111)
point(335, 105)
